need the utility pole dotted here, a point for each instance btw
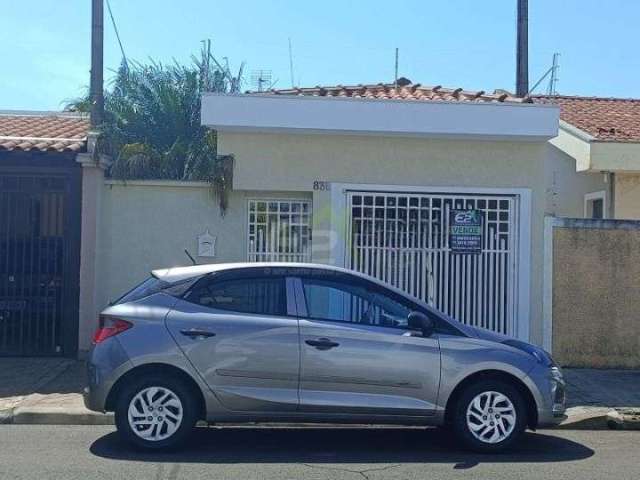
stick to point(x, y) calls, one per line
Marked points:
point(96, 93)
point(522, 49)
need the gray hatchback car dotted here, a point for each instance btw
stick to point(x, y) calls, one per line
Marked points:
point(282, 342)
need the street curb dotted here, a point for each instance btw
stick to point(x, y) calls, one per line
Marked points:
point(35, 415)
point(585, 418)
point(624, 419)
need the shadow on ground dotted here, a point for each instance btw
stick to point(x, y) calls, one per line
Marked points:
point(602, 388)
point(21, 376)
point(323, 445)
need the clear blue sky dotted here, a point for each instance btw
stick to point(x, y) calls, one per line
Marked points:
point(44, 44)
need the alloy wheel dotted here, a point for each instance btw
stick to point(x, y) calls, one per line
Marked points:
point(491, 417)
point(155, 413)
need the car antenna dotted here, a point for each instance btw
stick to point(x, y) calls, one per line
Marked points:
point(190, 257)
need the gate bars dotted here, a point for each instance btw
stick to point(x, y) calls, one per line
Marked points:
point(403, 239)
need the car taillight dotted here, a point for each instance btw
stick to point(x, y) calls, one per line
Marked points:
point(108, 327)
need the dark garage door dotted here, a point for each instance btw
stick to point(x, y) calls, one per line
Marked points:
point(39, 260)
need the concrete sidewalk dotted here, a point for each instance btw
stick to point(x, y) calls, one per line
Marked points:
point(49, 391)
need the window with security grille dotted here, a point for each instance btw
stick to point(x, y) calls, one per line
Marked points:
point(279, 231)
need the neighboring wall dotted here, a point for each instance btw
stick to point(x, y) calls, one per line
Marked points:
point(596, 293)
point(627, 192)
point(294, 161)
point(566, 187)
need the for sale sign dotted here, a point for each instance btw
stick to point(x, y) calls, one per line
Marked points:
point(465, 231)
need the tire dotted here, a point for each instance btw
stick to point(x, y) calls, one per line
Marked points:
point(161, 402)
point(483, 417)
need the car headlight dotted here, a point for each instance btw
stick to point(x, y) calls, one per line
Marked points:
point(538, 353)
point(556, 373)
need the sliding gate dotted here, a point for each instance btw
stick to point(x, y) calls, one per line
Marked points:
point(403, 239)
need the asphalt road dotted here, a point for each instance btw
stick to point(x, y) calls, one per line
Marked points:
point(74, 452)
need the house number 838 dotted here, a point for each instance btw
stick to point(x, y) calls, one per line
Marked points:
point(321, 185)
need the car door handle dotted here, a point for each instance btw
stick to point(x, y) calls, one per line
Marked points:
point(197, 332)
point(322, 343)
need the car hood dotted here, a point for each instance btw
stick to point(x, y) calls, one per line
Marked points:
point(488, 335)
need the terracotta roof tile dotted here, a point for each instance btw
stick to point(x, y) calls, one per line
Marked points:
point(59, 132)
point(606, 119)
point(404, 91)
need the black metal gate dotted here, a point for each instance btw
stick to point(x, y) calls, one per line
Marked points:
point(39, 261)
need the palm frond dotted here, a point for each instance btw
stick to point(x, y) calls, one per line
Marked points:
point(152, 122)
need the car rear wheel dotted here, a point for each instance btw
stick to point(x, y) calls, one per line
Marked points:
point(489, 416)
point(156, 412)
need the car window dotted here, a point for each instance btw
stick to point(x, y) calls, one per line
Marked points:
point(148, 287)
point(263, 296)
point(354, 302)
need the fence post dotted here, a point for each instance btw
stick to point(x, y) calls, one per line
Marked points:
point(550, 222)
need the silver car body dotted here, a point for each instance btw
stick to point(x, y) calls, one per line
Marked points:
point(259, 368)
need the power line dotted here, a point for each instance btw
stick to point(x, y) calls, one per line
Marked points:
point(115, 28)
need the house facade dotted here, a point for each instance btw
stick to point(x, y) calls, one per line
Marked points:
point(601, 138)
point(365, 177)
point(40, 228)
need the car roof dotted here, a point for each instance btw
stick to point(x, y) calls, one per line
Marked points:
point(178, 274)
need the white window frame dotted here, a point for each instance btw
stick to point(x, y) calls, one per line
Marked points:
point(590, 197)
point(272, 255)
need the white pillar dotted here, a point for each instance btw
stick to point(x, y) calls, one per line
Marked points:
point(93, 168)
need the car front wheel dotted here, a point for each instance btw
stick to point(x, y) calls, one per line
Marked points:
point(155, 413)
point(489, 416)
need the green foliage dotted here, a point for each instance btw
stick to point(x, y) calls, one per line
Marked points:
point(152, 122)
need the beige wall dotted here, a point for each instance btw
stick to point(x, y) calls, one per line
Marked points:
point(627, 196)
point(566, 187)
point(294, 162)
point(615, 156)
point(596, 306)
point(147, 225)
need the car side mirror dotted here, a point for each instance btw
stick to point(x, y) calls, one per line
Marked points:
point(419, 321)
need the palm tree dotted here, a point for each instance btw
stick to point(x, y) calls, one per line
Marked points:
point(152, 124)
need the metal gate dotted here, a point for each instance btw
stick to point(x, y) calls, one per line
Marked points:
point(402, 239)
point(38, 264)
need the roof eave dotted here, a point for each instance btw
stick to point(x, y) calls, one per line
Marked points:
point(388, 117)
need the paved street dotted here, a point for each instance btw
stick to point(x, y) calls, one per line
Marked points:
point(85, 452)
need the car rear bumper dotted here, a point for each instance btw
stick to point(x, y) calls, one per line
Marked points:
point(107, 361)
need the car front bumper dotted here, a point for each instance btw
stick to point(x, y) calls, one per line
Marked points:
point(550, 395)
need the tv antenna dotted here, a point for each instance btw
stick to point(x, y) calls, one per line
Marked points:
point(553, 80)
point(551, 89)
point(261, 80)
